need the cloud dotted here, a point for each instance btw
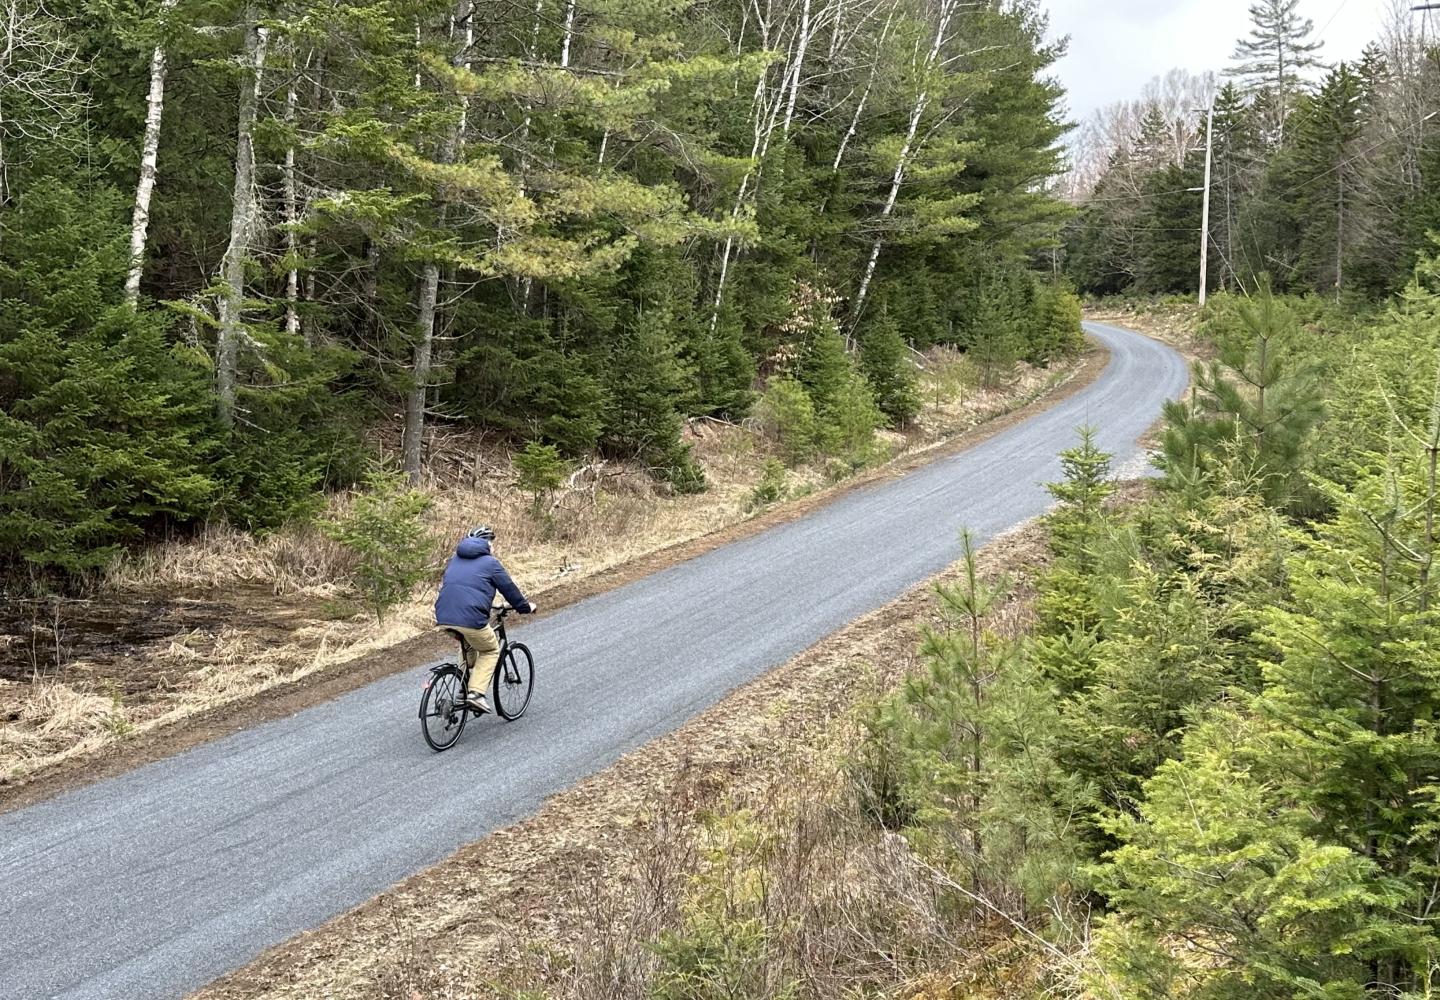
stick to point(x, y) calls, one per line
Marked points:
point(1116, 46)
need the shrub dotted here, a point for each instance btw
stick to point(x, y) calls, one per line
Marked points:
point(824, 369)
point(890, 374)
point(771, 488)
point(539, 471)
point(848, 431)
point(787, 416)
point(1057, 330)
point(382, 529)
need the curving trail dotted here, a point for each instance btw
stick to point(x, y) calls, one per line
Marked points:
point(156, 882)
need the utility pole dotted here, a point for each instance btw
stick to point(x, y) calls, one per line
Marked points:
point(1205, 210)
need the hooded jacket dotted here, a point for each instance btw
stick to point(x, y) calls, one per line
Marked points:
point(468, 588)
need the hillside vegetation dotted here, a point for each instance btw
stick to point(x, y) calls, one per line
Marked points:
point(251, 250)
point(1205, 766)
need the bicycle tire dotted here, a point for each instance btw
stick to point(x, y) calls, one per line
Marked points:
point(443, 702)
point(514, 682)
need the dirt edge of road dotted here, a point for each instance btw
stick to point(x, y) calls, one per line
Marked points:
point(459, 919)
point(339, 678)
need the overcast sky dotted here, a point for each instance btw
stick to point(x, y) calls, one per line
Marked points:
point(1117, 45)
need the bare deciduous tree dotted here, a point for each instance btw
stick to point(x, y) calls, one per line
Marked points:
point(38, 95)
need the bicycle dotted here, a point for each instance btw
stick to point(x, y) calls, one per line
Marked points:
point(444, 704)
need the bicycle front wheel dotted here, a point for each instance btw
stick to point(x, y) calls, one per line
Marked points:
point(442, 708)
point(514, 679)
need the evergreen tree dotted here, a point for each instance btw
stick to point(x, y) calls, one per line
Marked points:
point(105, 431)
point(1170, 232)
point(647, 377)
point(1326, 134)
point(1252, 410)
point(883, 359)
point(1273, 60)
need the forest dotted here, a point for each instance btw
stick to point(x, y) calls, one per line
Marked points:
point(252, 251)
point(1323, 177)
point(1205, 763)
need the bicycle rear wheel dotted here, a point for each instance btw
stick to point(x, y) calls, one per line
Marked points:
point(442, 708)
point(514, 680)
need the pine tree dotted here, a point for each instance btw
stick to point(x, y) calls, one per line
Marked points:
point(105, 432)
point(883, 359)
point(645, 379)
point(1251, 411)
point(1274, 58)
point(1327, 131)
point(1170, 231)
point(1081, 495)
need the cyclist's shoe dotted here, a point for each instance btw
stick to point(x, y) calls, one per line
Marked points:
point(477, 704)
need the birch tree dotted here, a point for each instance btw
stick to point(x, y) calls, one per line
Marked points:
point(149, 156)
point(39, 99)
point(943, 15)
point(242, 220)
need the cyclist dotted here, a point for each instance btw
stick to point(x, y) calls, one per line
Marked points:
point(467, 592)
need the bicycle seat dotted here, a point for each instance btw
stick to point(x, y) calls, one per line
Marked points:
point(454, 634)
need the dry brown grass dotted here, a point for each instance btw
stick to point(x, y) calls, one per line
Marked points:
point(1170, 322)
point(282, 613)
point(747, 812)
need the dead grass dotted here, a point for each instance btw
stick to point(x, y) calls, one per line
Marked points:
point(745, 812)
point(1174, 323)
point(281, 615)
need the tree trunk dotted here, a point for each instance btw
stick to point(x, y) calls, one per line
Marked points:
point(412, 447)
point(801, 45)
point(149, 155)
point(292, 216)
point(569, 33)
point(947, 10)
point(1339, 233)
point(242, 213)
point(764, 128)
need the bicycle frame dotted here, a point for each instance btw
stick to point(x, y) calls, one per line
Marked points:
point(500, 661)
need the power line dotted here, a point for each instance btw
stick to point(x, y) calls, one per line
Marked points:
point(1326, 25)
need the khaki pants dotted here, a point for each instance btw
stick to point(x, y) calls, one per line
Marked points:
point(480, 645)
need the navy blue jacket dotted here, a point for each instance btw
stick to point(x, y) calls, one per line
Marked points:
point(468, 588)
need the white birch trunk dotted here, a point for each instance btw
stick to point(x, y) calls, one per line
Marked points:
point(764, 129)
point(947, 10)
point(292, 216)
point(569, 34)
point(242, 219)
point(801, 45)
point(149, 155)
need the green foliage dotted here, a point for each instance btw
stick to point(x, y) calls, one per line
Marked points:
point(824, 367)
point(1225, 861)
point(383, 531)
point(105, 428)
point(771, 488)
point(1056, 332)
point(1081, 495)
point(963, 757)
point(787, 416)
point(647, 377)
point(848, 428)
point(539, 471)
point(889, 371)
point(596, 283)
point(1251, 411)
